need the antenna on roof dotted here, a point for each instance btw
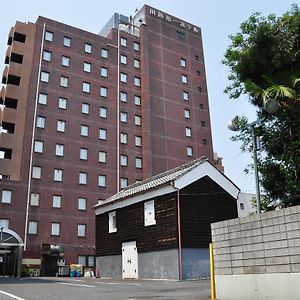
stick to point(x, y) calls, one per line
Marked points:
point(136, 10)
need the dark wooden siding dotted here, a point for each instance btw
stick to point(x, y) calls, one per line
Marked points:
point(130, 226)
point(203, 203)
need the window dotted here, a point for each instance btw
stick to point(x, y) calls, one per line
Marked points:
point(34, 199)
point(198, 73)
point(189, 151)
point(104, 72)
point(138, 141)
point(123, 183)
point(183, 62)
point(4, 223)
point(123, 77)
point(62, 103)
point(197, 57)
point(104, 53)
point(138, 162)
point(199, 89)
point(59, 150)
point(84, 130)
point(101, 180)
point(87, 67)
point(47, 55)
point(102, 134)
point(43, 98)
point(184, 78)
point(137, 81)
point(123, 138)
point(40, 122)
point(61, 126)
point(81, 228)
point(86, 87)
point(56, 201)
point(123, 117)
point(201, 106)
point(45, 76)
point(65, 61)
point(36, 172)
point(64, 81)
point(103, 91)
point(123, 42)
point(188, 132)
point(123, 59)
point(102, 157)
point(82, 260)
point(49, 36)
point(123, 160)
point(103, 112)
point(83, 153)
point(58, 175)
point(242, 207)
point(204, 142)
point(149, 213)
point(85, 108)
point(38, 146)
point(32, 227)
point(112, 222)
point(82, 178)
point(55, 229)
point(137, 120)
point(87, 48)
point(6, 196)
point(203, 124)
point(91, 261)
point(136, 63)
point(137, 100)
point(81, 203)
point(180, 35)
point(185, 96)
point(67, 41)
point(123, 96)
point(187, 113)
point(136, 46)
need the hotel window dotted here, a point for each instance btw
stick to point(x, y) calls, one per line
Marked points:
point(185, 96)
point(104, 72)
point(4, 223)
point(59, 150)
point(40, 122)
point(45, 76)
point(198, 73)
point(104, 53)
point(65, 61)
point(149, 213)
point(137, 81)
point(84, 130)
point(103, 112)
point(83, 153)
point(199, 89)
point(36, 172)
point(201, 106)
point(56, 201)
point(112, 222)
point(123, 138)
point(242, 207)
point(197, 57)
point(180, 35)
point(138, 141)
point(123, 77)
point(123, 59)
point(138, 162)
point(64, 81)
point(204, 142)
point(87, 48)
point(86, 87)
point(62, 103)
point(102, 157)
point(183, 62)
point(81, 203)
point(184, 78)
point(101, 180)
point(123, 96)
point(203, 124)
point(61, 126)
point(136, 46)
point(32, 227)
point(47, 55)
point(187, 113)
point(43, 98)
point(87, 67)
point(82, 178)
point(81, 228)
point(123, 42)
point(136, 63)
point(189, 151)
point(49, 36)
point(58, 175)
point(103, 91)
point(124, 160)
point(123, 117)
point(85, 108)
point(34, 199)
point(6, 196)
point(188, 132)
point(137, 120)
point(67, 41)
point(38, 146)
point(137, 100)
point(123, 183)
point(102, 134)
point(55, 229)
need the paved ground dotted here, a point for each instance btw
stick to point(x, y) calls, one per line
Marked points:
point(101, 289)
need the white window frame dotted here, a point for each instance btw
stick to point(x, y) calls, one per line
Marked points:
point(112, 222)
point(58, 175)
point(83, 153)
point(183, 62)
point(138, 163)
point(137, 63)
point(189, 151)
point(64, 81)
point(123, 59)
point(55, 228)
point(45, 76)
point(149, 213)
point(84, 130)
point(104, 72)
point(188, 132)
point(103, 112)
point(65, 61)
point(101, 180)
point(123, 160)
point(103, 91)
point(136, 46)
point(137, 81)
point(104, 53)
point(137, 120)
point(85, 108)
point(137, 100)
point(38, 146)
point(123, 42)
point(67, 41)
point(123, 117)
point(123, 96)
point(49, 36)
point(123, 138)
point(43, 98)
point(81, 230)
point(184, 79)
point(62, 103)
point(185, 96)
point(187, 113)
point(88, 48)
point(36, 172)
point(102, 156)
point(83, 176)
point(61, 126)
point(4, 223)
point(102, 134)
point(6, 196)
point(82, 203)
point(32, 227)
point(40, 122)
point(138, 141)
point(123, 182)
point(123, 77)
point(34, 199)
point(87, 67)
point(59, 150)
point(86, 87)
point(56, 201)
point(47, 55)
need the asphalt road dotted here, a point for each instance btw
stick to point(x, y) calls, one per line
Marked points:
point(101, 289)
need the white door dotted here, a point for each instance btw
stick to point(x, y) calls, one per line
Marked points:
point(129, 260)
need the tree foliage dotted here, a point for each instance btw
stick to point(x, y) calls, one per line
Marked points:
point(264, 63)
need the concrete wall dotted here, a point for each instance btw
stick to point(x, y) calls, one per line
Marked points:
point(195, 263)
point(110, 266)
point(258, 257)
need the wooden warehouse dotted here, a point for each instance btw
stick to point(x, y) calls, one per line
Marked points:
point(159, 228)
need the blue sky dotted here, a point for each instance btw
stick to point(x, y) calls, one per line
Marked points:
point(217, 18)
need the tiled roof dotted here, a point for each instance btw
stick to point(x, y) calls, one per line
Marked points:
point(154, 181)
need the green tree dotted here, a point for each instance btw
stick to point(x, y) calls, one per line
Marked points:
point(264, 63)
